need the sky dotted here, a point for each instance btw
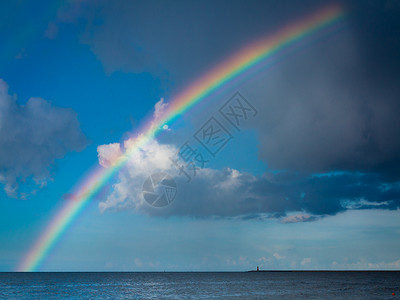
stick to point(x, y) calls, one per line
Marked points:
point(305, 170)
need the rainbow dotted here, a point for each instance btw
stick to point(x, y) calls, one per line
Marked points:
point(239, 63)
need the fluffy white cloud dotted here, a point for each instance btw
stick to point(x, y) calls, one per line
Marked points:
point(159, 108)
point(363, 264)
point(155, 157)
point(278, 256)
point(299, 218)
point(152, 157)
point(32, 137)
point(108, 154)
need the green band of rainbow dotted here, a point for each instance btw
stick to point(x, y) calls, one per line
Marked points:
point(216, 78)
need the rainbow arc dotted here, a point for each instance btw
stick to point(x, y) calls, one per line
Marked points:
point(241, 62)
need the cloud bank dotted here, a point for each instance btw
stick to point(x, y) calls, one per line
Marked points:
point(32, 137)
point(233, 194)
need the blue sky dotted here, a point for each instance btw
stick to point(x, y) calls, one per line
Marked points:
point(311, 182)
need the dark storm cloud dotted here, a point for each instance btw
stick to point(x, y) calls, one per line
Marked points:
point(276, 195)
point(332, 106)
point(320, 113)
point(376, 26)
point(32, 137)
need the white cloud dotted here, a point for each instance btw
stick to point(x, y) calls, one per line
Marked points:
point(298, 218)
point(154, 157)
point(231, 181)
point(151, 157)
point(138, 262)
point(32, 137)
point(108, 154)
point(159, 109)
point(277, 256)
point(363, 264)
point(127, 192)
point(305, 261)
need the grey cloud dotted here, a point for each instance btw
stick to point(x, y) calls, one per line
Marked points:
point(179, 40)
point(277, 195)
point(32, 137)
point(290, 197)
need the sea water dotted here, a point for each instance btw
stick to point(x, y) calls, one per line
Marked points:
point(201, 285)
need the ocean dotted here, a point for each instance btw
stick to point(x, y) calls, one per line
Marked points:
point(201, 285)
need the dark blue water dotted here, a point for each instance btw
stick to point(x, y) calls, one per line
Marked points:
point(262, 285)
